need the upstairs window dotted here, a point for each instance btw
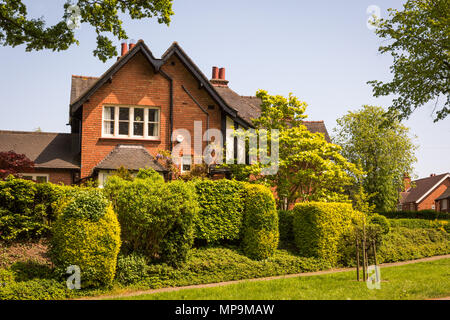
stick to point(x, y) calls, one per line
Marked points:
point(131, 122)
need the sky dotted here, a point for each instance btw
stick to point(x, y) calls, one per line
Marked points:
point(321, 51)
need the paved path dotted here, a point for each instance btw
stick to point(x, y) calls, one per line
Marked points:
point(305, 274)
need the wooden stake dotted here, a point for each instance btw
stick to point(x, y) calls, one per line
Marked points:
point(364, 252)
point(357, 258)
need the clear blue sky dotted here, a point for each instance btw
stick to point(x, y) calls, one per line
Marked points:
point(321, 51)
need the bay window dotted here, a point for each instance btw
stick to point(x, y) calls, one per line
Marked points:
point(131, 122)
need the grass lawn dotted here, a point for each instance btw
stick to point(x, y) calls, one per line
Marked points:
point(414, 281)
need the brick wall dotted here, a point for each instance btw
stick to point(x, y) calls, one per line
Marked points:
point(136, 84)
point(56, 175)
point(426, 203)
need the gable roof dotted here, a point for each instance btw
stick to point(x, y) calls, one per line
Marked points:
point(424, 186)
point(241, 108)
point(46, 149)
point(88, 88)
point(132, 157)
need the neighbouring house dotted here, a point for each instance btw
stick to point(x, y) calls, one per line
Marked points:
point(431, 193)
point(138, 107)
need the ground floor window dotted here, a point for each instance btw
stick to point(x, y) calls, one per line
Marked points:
point(444, 204)
point(37, 177)
point(186, 164)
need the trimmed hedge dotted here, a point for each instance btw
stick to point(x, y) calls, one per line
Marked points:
point(443, 225)
point(87, 234)
point(260, 233)
point(423, 214)
point(320, 228)
point(27, 209)
point(221, 209)
point(380, 220)
point(157, 218)
point(407, 244)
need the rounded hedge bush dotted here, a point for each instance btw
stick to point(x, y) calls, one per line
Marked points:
point(87, 234)
point(260, 233)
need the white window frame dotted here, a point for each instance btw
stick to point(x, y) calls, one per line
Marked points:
point(186, 160)
point(35, 175)
point(130, 135)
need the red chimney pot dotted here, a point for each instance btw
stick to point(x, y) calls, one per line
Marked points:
point(124, 48)
point(222, 73)
point(215, 73)
point(132, 44)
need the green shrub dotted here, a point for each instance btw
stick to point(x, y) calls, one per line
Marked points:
point(6, 277)
point(157, 218)
point(423, 214)
point(131, 269)
point(420, 224)
point(407, 244)
point(37, 289)
point(27, 209)
point(320, 229)
point(260, 233)
point(86, 237)
point(382, 221)
point(221, 206)
point(217, 264)
point(285, 220)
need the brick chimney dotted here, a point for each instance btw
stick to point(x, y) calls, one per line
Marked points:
point(218, 77)
point(406, 182)
point(124, 48)
point(433, 175)
point(132, 44)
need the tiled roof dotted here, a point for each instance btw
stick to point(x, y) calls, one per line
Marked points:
point(47, 150)
point(80, 84)
point(132, 157)
point(444, 195)
point(422, 186)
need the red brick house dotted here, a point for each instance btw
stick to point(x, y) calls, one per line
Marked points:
point(431, 193)
point(130, 113)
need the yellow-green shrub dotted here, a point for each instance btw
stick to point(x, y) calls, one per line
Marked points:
point(260, 233)
point(320, 228)
point(87, 234)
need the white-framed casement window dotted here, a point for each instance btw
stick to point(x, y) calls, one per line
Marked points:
point(37, 177)
point(186, 164)
point(131, 122)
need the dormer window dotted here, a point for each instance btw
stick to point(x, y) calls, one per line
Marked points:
point(131, 122)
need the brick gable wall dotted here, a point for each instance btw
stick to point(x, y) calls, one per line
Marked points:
point(136, 84)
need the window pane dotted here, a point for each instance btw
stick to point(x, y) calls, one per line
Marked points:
point(124, 114)
point(108, 127)
point(123, 128)
point(27, 177)
point(153, 115)
point(138, 114)
point(41, 179)
point(153, 129)
point(138, 129)
point(109, 113)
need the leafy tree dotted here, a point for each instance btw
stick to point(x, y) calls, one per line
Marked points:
point(419, 42)
point(309, 167)
point(383, 149)
point(12, 163)
point(17, 28)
